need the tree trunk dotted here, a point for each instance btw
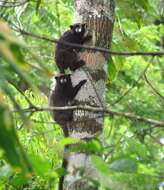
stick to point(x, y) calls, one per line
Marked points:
point(99, 16)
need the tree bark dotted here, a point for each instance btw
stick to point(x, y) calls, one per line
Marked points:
point(99, 16)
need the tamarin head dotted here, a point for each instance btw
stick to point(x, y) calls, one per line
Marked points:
point(79, 29)
point(63, 80)
point(66, 57)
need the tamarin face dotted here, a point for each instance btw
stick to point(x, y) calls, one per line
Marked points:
point(79, 29)
point(63, 80)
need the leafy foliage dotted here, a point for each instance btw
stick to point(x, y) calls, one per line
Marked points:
point(32, 144)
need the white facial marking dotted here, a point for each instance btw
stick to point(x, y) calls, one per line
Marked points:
point(61, 80)
point(78, 29)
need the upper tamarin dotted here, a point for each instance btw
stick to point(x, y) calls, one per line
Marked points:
point(66, 56)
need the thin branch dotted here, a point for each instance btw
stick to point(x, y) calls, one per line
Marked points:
point(156, 140)
point(150, 128)
point(53, 122)
point(21, 92)
point(22, 125)
point(152, 87)
point(103, 50)
point(43, 122)
point(130, 116)
point(58, 17)
point(131, 88)
point(42, 133)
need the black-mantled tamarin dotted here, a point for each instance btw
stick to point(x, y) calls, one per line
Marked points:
point(66, 56)
point(63, 95)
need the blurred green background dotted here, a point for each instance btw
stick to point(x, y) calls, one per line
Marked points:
point(130, 153)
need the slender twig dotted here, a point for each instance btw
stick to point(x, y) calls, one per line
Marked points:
point(150, 128)
point(43, 122)
point(130, 116)
point(53, 122)
point(103, 50)
point(21, 92)
point(152, 87)
point(28, 117)
point(58, 17)
point(42, 133)
point(132, 87)
point(156, 140)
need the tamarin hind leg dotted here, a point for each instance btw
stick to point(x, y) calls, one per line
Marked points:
point(60, 64)
point(63, 60)
point(77, 65)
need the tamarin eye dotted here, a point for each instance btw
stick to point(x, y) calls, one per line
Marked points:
point(61, 80)
point(78, 29)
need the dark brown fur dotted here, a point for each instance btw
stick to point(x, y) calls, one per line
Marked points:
point(63, 95)
point(66, 56)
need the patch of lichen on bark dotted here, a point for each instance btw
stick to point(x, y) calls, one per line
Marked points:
point(98, 75)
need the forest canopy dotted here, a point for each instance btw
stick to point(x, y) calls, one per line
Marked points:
point(129, 151)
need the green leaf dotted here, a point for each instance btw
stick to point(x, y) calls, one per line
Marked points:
point(61, 172)
point(15, 49)
point(100, 165)
point(5, 171)
point(7, 138)
point(137, 148)
point(38, 3)
point(18, 180)
point(11, 53)
point(112, 71)
point(93, 146)
point(124, 165)
point(9, 142)
point(40, 165)
point(104, 177)
point(144, 4)
point(68, 140)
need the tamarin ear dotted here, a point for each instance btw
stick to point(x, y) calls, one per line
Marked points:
point(84, 25)
point(56, 77)
point(71, 27)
